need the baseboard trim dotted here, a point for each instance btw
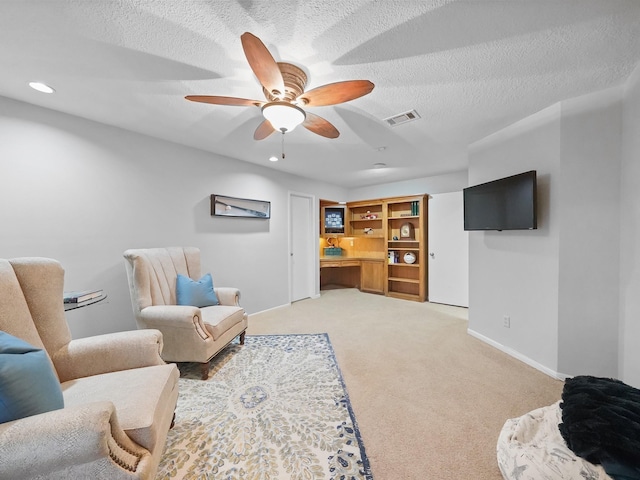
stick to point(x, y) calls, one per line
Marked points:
point(278, 307)
point(518, 356)
point(272, 308)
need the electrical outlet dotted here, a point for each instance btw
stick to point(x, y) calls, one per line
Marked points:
point(506, 321)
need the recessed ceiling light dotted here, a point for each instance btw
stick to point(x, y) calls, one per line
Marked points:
point(41, 87)
point(379, 165)
point(273, 158)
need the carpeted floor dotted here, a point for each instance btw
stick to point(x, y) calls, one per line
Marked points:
point(430, 399)
point(275, 408)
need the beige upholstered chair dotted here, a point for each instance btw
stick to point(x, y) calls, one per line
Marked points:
point(191, 334)
point(119, 395)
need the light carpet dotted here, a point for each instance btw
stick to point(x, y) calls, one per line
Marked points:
point(275, 408)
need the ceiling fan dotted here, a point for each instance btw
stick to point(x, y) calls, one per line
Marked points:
point(283, 85)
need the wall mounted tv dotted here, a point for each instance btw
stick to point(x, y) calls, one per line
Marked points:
point(508, 203)
point(334, 220)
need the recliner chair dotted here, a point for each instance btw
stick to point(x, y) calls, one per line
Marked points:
point(191, 333)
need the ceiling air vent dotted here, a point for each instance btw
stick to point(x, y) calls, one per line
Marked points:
point(402, 118)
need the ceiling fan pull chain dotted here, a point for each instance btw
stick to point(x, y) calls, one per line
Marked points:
point(283, 144)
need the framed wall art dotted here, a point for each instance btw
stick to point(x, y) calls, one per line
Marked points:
point(222, 206)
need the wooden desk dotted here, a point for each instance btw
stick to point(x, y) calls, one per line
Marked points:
point(366, 274)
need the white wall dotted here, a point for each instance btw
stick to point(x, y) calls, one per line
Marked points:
point(630, 235)
point(559, 284)
point(589, 210)
point(450, 182)
point(515, 273)
point(82, 193)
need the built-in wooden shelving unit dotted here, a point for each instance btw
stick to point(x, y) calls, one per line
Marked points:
point(377, 240)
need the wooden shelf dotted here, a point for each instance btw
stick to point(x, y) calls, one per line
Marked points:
point(405, 280)
point(358, 223)
point(401, 280)
point(405, 296)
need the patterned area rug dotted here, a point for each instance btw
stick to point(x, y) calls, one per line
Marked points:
point(275, 408)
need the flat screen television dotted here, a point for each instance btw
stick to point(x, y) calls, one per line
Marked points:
point(334, 220)
point(508, 203)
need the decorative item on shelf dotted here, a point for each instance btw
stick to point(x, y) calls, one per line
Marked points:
point(409, 257)
point(369, 216)
point(334, 247)
point(407, 231)
point(332, 251)
point(368, 231)
point(395, 237)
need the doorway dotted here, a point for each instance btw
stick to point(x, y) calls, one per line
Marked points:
point(302, 247)
point(448, 251)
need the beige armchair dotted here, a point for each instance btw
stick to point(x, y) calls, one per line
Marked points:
point(119, 395)
point(191, 334)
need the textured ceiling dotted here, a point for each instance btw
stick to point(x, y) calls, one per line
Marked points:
point(468, 67)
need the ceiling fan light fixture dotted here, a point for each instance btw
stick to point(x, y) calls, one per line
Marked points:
point(283, 116)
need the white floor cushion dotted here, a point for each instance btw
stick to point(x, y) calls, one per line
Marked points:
point(531, 448)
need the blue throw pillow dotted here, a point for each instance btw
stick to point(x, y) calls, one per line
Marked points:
point(28, 384)
point(197, 294)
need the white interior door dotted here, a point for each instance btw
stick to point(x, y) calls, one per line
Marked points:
point(301, 246)
point(448, 251)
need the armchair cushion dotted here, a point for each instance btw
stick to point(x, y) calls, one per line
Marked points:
point(221, 318)
point(196, 293)
point(143, 397)
point(28, 384)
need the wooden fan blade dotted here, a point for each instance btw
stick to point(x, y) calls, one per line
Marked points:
point(233, 101)
point(263, 131)
point(334, 93)
point(320, 126)
point(262, 63)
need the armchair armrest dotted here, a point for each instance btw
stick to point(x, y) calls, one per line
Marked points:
point(68, 443)
point(183, 324)
point(110, 352)
point(169, 316)
point(171, 319)
point(228, 296)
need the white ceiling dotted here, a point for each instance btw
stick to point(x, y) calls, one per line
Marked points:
point(469, 67)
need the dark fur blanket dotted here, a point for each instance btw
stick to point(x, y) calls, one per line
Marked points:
point(601, 421)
